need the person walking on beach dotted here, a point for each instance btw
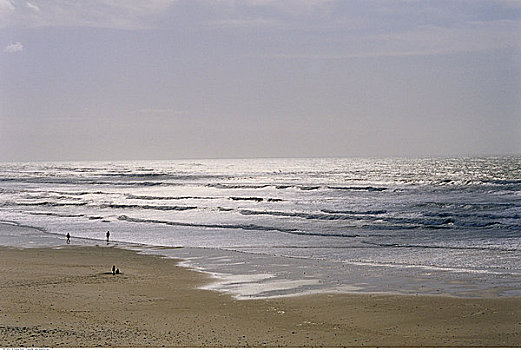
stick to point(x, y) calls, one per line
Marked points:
point(68, 238)
point(108, 235)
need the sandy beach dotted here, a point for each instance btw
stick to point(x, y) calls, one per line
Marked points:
point(68, 298)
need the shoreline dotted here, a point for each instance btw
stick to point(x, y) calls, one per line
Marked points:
point(249, 275)
point(67, 297)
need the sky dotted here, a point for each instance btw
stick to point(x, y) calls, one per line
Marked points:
point(171, 79)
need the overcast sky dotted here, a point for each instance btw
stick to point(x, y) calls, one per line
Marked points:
point(167, 79)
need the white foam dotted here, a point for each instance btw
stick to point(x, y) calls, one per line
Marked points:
point(433, 268)
point(229, 281)
point(253, 285)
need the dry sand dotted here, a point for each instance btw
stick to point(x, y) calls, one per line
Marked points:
point(68, 298)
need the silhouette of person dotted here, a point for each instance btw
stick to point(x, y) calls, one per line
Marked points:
point(117, 271)
point(113, 269)
point(108, 235)
point(68, 238)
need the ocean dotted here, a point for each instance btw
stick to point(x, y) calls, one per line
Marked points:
point(276, 227)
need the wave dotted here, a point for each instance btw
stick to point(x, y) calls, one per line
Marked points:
point(432, 267)
point(136, 175)
point(237, 186)
point(300, 187)
point(309, 216)
point(61, 215)
point(360, 219)
point(148, 207)
point(469, 206)
point(76, 181)
point(505, 182)
point(78, 193)
point(255, 199)
point(438, 246)
point(308, 188)
point(145, 183)
point(396, 223)
point(487, 224)
point(87, 170)
point(355, 212)
point(143, 197)
point(248, 227)
point(8, 190)
point(448, 223)
point(358, 188)
point(45, 194)
point(111, 205)
point(261, 186)
point(44, 204)
point(225, 209)
point(475, 215)
point(162, 176)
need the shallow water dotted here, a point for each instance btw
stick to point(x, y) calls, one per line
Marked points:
point(442, 226)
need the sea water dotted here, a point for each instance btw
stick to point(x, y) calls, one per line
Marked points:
point(273, 227)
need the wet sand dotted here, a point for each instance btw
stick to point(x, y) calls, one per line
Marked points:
point(68, 298)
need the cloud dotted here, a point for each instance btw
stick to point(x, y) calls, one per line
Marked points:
point(14, 47)
point(140, 14)
point(118, 14)
point(317, 28)
point(6, 6)
point(6, 10)
point(32, 6)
